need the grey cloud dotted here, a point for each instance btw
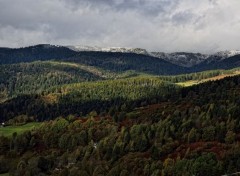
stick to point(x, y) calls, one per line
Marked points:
point(183, 17)
point(159, 25)
point(146, 7)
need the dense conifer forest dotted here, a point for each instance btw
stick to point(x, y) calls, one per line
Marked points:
point(93, 113)
point(192, 131)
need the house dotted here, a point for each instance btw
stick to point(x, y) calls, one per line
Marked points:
point(3, 124)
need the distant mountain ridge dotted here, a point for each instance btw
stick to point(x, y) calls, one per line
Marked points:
point(80, 48)
point(182, 62)
point(112, 61)
point(184, 59)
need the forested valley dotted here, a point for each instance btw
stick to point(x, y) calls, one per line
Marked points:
point(190, 131)
point(94, 113)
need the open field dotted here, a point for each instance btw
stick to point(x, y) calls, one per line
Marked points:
point(9, 130)
point(6, 174)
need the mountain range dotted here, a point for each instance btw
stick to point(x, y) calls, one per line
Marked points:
point(184, 59)
point(169, 63)
point(73, 110)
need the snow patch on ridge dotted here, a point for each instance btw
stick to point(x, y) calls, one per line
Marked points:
point(108, 49)
point(179, 58)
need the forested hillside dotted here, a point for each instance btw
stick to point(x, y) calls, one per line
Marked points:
point(229, 63)
point(106, 60)
point(122, 61)
point(64, 112)
point(35, 77)
point(33, 53)
point(195, 131)
point(39, 76)
point(46, 90)
point(119, 62)
point(85, 97)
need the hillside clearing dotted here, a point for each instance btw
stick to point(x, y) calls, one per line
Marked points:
point(215, 78)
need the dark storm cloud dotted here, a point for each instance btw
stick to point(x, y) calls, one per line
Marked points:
point(160, 25)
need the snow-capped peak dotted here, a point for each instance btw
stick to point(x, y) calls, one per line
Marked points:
point(108, 49)
point(179, 58)
point(83, 48)
point(226, 54)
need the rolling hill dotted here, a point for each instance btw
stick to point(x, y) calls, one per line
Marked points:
point(123, 59)
point(118, 110)
point(82, 98)
point(193, 132)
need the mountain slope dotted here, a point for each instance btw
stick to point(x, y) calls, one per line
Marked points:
point(80, 48)
point(82, 98)
point(39, 76)
point(218, 63)
point(123, 59)
point(113, 61)
point(36, 77)
point(193, 132)
point(119, 62)
point(178, 58)
point(182, 58)
point(33, 53)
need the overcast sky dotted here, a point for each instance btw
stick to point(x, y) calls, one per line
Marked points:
point(158, 25)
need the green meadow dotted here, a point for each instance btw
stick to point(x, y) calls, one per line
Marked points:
point(9, 130)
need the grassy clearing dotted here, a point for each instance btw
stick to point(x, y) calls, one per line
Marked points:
point(194, 82)
point(9, 130)
point(188, 83)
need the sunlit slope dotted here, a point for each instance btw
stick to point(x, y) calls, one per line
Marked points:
point(214, 78)
point(37, 77)
point(81, 98)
